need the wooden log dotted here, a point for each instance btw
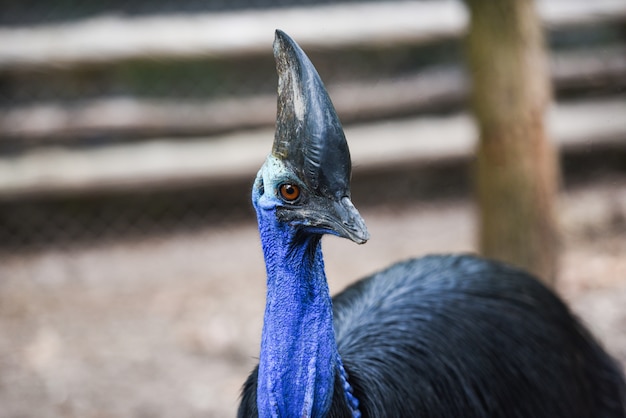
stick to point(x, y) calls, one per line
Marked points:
point(163, 163)
point(135, 117)
point(429, 90)
point(112, 38)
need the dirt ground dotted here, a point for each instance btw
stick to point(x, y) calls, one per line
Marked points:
point(170, 326)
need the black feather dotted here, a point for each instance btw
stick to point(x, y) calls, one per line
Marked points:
point(459, 336)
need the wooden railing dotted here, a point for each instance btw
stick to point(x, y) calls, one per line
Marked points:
point(111, 38)
point(355, 102)
point(219, 144)
point(167, 162)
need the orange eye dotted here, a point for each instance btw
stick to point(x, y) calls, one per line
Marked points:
point(289, 192)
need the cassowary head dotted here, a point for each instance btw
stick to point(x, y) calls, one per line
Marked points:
point(305, 181)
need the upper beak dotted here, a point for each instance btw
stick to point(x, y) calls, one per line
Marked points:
point(337, 217)
point(349, 223)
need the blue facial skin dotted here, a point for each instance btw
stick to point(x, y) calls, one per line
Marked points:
point(298, 351)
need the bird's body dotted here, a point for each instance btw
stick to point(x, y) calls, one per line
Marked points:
point(460, 336)
point(439, 336)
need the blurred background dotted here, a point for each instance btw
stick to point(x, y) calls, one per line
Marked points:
point(131, 277)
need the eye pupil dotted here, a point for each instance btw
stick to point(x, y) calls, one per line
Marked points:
point(289, 192)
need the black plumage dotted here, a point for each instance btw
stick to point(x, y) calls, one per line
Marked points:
point(460, 336)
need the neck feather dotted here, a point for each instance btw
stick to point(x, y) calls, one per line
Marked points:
point(298, 350)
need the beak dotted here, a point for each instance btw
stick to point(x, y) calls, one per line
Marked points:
point(326, 216)
point(349, 223)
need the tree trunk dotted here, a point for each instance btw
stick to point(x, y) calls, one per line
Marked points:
point(516, 167)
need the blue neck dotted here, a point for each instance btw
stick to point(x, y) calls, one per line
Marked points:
point(298, 350)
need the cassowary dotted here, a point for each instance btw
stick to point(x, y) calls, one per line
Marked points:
point(440, 336)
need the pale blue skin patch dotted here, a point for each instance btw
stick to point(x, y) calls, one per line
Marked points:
point(271, 174)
